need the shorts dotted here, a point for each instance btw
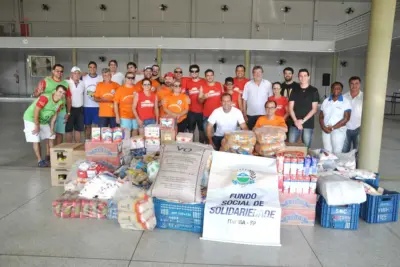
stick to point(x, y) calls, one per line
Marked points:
point(130, 124)
point(75, 120)
point(148, 122)
point(91, 115)
point(193, 120)
point(107, 122)
point(44, 133)
point(60, 123)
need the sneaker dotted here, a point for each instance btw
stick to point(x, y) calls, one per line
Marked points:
point(43, 164)
point(47, 158)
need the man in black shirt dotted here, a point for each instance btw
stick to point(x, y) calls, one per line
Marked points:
point(288, 85)
point(303, 104)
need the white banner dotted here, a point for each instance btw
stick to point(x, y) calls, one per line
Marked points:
point(242, 201)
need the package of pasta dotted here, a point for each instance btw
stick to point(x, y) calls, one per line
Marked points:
point(237, 149)
point(270, 135)
point(268, 150)
point(240, 138)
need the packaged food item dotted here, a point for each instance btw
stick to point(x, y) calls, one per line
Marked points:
point(268, 150)
point(293, 166)
point(152, 142)
point(240, 138)
point(96, 134)
point(118, 134)
point(138, 152)
point(184, 137)
point(137, 142)
point(106, 135)
point(286, 166)
point(168, 135)
point(280, 158)
point(270, 135)
point(300, 166)
point(286, 184)
point(168, 123)
point(307, 165)
point(151, 131)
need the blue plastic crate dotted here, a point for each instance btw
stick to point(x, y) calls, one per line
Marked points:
point(372, 182)
point(381, 209)
point(178, 216)
point(338, 217)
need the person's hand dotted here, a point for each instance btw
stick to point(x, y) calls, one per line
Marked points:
point(66, 117)
point(36, 130)
point(140, 122)
point(118, 120)
point(299, 124)
point(246, 119)
point(206, 96)
point(325, 129)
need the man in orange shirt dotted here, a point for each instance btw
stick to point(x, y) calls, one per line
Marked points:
point(123, 101)
point(148, 73)
point(104, 94)
point(270, 118)
point(176, 105)
point(165, 91)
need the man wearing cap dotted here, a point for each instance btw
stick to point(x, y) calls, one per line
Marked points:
point(75, 120)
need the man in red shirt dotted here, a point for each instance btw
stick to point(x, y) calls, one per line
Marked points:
point(240, 80)
point(195, 114)
point(210, 95)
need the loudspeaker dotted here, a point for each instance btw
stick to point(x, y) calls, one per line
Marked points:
point(326, 79)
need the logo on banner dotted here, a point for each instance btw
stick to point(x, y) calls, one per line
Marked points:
point(244, 177)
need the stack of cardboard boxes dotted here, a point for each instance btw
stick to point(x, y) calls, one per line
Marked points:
point(62, 158)
point(168, 130)
point(104, 152)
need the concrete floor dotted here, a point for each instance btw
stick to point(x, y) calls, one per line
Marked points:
point(31, 236)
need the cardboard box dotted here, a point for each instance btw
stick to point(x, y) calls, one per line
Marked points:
point(112, 161)
point(79, 153)
point(297, 201)
point(152, 130)
point(58, 176)
point(299, 217)
point(102, 149)
point(167, 123)
point(294, 150)
point(62, 156)
point(168, 136)
point(152, 142)
point(184, 137)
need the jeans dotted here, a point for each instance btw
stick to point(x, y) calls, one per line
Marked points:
point(252, 121)
point(333, 142)
point(352, 137)
point(295, 133)
point(148, 122)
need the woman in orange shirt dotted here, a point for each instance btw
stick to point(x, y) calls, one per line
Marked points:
point(123, 100)
point(177, 106)
point(270, 118)
point(145, 106)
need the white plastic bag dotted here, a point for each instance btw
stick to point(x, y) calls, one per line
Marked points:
point(347, 160)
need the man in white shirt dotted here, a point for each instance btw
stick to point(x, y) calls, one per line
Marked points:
point(255, 95)
point(90, 107)
point(355, 97)
point(335, 113)
point(75, 120)
point(117, 77)
point(226, 118)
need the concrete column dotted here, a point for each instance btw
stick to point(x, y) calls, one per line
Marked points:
point(159, 57)
point(74, 57)
point(378, 56)
point(247, 63)
point(334, 67)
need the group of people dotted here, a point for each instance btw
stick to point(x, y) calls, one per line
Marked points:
point(141, 97)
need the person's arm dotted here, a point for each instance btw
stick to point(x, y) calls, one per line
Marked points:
point(241, 121)
point(243, 126)
point(53, 123)
point(39, 88)
point(36, 120)
point(287, 111)
point(69, 104)
point(322, 124)
point(156, 110)
point(202, 96)
point(342, 122)
point(240, 104)
point(116, 110)
point(293, 116)
point(310, 114)
point(245, 97)
point(210, 134)
point(134, 107)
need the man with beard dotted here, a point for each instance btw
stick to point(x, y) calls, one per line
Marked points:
point(288, 85)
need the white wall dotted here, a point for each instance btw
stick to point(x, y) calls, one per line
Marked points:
point(183, 18)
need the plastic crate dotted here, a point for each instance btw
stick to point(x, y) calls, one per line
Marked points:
point(338, 217)
point(381, 209)
point(178, 216)
point(372, 182)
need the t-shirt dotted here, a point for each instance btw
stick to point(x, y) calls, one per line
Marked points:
point(235, 99)
point(124, 98)
point(50, 85)
point(107, 91)
point(240, 83)
point(281, 103)
point(177, 104)
point(145, 106)
point(213, 101)
point(90, 88)
point(226, 122)
point(162, 93)
point(48, 108)
point(334, 110)
point(277, 121)
point(118, 78)
point(77, 91)
point(193, 90)
point(256, 96)
point(154, 85)
point(288, 88)
point(303, 99)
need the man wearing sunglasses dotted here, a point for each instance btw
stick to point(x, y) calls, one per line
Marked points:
point(195, 115)
point(178, 74)
point(48, 86)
